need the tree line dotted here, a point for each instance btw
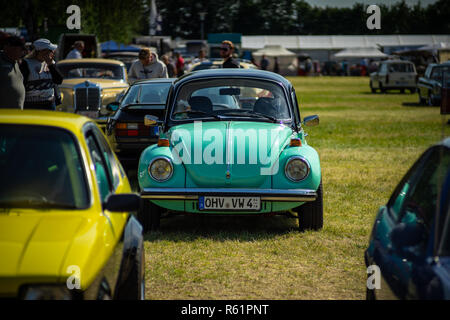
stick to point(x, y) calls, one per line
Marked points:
point(121, 20)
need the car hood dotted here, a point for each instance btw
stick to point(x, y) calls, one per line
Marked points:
point(37, 247)
point(230, 153)
point(104, 83)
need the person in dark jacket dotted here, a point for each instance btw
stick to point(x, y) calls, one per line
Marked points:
point(226, 52)
point(12, 90)
point(40, 76)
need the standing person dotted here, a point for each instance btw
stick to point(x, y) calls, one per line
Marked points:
point(12, 90)
point(77, 51)
point(226, 52)
point(148, 66)
point(40, 76)
point(171, 71)
point(264, 64)
point(276, 67)
point(201, 57)
point(179, 64)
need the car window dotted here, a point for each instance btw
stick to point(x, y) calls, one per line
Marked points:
point(222, 97)
point(421, 197)
point(100, 166)
point(41, 167)
point(436, 74)
point(91, 70)
point(383, 68)
point(114, 168)
point(152, 93)
point(401, 67)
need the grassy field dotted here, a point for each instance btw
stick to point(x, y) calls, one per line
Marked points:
point(366, 143)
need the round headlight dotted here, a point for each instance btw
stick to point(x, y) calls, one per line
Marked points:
point(297, 169)
point(160, 169)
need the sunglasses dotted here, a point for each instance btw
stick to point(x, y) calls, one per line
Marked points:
point(224, 49)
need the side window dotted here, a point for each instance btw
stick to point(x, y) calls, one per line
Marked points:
point(383, 68)
point(420, 201)
point(101, 168)
point(114, 168)
point(296, 109)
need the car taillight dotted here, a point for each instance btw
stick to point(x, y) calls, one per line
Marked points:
point(131, 129)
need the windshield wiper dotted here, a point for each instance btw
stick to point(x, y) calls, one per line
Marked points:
point(250, 114)
point(199, 112)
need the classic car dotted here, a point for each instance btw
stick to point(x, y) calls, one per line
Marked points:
point(126, 130)
point(430, 85)
point(410, 239)
point(66, 225)
point(394, 74)
point(127, 57)
point(90, 84)
point(217, 64)
point(232, 143)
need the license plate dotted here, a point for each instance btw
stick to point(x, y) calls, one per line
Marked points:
point(89, 114)
point(229, 203)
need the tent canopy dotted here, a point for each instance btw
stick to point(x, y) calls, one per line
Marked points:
point(112, 46)
point(274, 51)
point(360, 53)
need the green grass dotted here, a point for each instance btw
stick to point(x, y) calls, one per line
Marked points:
point(366, 142)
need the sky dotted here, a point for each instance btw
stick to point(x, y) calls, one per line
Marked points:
point(350, 3)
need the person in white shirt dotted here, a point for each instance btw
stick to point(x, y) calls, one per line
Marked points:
point(147, 67)
point(76, 52)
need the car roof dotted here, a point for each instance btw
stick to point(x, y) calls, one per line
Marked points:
point(233, 73)
point(396, 61)
point(155, 80)
point(68, 121)
point(90, 60)
point(445, 142)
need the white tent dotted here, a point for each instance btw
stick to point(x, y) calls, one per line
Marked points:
point(356, 53)
point(285, 57)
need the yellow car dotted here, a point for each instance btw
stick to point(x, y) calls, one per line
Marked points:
point(66, 228)
point(90, 85)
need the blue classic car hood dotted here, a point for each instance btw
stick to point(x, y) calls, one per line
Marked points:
point(221, 154)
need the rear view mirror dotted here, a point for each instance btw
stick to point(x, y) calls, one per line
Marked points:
point(230, 92)
point(122, 202)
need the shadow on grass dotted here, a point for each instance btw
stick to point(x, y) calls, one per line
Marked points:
point(188, 228)
point(414, 104)
point(386, 93)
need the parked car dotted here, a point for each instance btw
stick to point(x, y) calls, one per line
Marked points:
point(231, 142)
point(127, 57)
point(66, 225)
point(410, 240)
point(430, 85)
point(126, 130)
point(90, 84)
point(92, 48)
point(394, 75)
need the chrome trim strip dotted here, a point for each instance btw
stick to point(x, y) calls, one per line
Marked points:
point(282, 195)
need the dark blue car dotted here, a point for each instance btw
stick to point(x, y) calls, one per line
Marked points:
point(410, 240)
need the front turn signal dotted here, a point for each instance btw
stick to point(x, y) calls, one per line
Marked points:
point(163, 142)
point(296, 142)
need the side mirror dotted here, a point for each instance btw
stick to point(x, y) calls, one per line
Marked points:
point(151, 121)
point(113, 106)
point(122, 202)
point(311, 121)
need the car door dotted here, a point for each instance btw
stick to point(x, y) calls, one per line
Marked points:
point(404, 234)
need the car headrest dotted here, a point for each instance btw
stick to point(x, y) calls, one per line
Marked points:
point(201, 103)
point(266, 106)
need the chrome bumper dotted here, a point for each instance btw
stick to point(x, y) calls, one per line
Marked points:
point(281, 195)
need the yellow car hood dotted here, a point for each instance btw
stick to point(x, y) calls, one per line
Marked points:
point(104, 83)
point(39, 247)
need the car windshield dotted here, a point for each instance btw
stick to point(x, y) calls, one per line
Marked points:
point(147, 93)
point(225, 98)
point(91, 70)
point(400, 67)
point(40, 167)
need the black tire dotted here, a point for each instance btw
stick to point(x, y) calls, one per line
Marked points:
point(430, 100)
point(421, 100)
point(402, 90)
point(370, 294)
point(372, 88)
point(310, 214)
point(412, 90)
point(382, 89)
point(149, 216)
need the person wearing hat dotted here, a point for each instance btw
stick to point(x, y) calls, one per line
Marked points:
point(41, 76)
point(12, 90)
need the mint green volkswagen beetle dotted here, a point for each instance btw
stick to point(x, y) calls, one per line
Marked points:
point(231, 143)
